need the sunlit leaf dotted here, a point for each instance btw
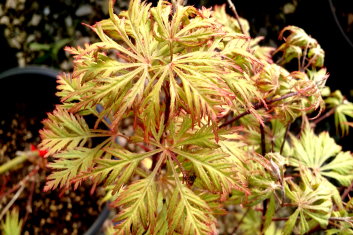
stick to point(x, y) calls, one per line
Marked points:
point(313, 200)
point(66, 131)
point(187, 212)
point(322, 155)
point(70, 164)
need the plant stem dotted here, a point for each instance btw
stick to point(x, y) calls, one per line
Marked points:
point(29, 203)
point(13, 162)
point(344, 219)
point(326, 115)
point(289, 205)
point(280, 219)
point(240, 221)
point(263, 152)
point(263, 143)
point(309, 63)
point(232, 7)
point(346, 192)
point(257, 106)
point(284, 138)
point(167, 106)
point(301, 66)
point(14, 198)
point(175, 159)
point(23, 181)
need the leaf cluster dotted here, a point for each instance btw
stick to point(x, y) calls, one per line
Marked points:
point(210, 112)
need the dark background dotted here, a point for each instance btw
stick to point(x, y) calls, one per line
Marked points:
point(317, 18)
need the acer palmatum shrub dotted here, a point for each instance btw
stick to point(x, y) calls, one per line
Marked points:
point(211, 115)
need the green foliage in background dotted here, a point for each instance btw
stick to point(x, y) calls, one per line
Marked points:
point(12, 224)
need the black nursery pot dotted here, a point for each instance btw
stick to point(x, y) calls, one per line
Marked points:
point(30, 93)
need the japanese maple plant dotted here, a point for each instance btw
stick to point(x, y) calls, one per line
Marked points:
point(211, 114)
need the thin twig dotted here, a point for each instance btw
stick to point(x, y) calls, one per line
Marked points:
point(183, 171)
point(264, 211)
point(344, 219)
point(294, 175)
point(309, 63)
point(346, 192)
point(257, 106)
point(240, 221)
point(258, 209)
point(232, 7)
point(333, 11)
point(289, 205)
point(13, 162)
point(23, 181)
point(146, 148)
point(263, 152)
point(280, 219)
point(167, 105)
point(263, 143)
point(304, 56)
point(284, 138)
point(29, 202)
point(14, 198)
point(4, 179)
point(326, 115)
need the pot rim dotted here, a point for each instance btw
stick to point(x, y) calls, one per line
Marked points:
point(53, 73)
point(32, 69)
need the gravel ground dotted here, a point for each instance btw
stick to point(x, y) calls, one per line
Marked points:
point(35, 32)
